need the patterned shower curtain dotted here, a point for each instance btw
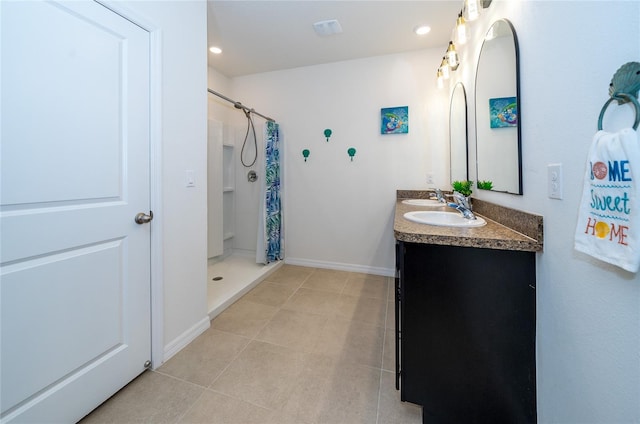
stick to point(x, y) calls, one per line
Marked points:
point(270, 247)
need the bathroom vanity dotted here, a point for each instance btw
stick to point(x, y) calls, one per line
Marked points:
point(465, 316)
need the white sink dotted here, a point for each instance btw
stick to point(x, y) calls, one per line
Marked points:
point(423, 202)
point(444, 219)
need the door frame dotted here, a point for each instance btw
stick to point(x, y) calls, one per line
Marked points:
point(155, 172)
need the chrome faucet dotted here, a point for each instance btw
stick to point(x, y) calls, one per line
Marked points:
point(437, 193)
point(462, 205)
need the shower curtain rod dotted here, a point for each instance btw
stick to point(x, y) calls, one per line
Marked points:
point(239, 105)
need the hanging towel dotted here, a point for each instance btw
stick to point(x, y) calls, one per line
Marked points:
point(608, 225)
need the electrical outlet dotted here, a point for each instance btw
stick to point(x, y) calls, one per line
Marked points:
point(430, 178)
point(554, 180)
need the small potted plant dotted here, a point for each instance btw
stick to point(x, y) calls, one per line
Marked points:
point(463, 187)
point(485, 185)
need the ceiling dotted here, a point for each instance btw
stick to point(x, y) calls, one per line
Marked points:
point(265, 35)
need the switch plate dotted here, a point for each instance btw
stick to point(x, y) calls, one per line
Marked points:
point(554, 180)
point(189, 178)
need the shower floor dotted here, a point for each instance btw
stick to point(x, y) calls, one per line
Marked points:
point(239, 275)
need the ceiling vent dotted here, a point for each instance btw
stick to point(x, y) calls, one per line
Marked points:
point(328, 27)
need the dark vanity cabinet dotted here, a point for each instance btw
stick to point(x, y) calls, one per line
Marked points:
point(465, 333)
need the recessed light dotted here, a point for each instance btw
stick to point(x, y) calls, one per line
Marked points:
point(215, 50)
point(422, 29)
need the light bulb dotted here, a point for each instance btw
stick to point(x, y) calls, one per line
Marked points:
point(444, 68)
point(461, 29)
point(452, 56)
point(440, 79)
point(472, 9)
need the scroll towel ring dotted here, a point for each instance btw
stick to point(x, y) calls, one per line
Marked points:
point(624, 88)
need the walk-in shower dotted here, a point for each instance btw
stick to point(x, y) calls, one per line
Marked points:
point(245, 216)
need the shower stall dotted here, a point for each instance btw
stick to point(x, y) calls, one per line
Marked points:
point(244, 216)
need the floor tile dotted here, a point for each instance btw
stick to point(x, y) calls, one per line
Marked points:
point(364, 309)
point(351, 341)
point(367, 285)
point(244, 318)
point(389, 351)
point(313, 302)
point(271, 294)
point(290, 275)
point(216, 408)
point(391, 292)
point(152, 398)
point(297, 330)
point(205, 358)
point(329, 390)
point(391, 409)
point(391, 315)
point(262, 374)
point(327, 280)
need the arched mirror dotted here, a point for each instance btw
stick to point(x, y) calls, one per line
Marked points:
point(498, 146)
point(458, 134)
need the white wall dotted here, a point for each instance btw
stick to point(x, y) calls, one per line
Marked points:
point(588, 312)
point(183, 76)
point(339, 213)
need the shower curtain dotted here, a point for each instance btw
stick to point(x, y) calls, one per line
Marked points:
point(270, 247)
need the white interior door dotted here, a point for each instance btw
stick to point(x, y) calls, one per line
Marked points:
point(74, 266)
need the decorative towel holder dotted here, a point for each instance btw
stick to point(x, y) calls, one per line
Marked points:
point(624, 88)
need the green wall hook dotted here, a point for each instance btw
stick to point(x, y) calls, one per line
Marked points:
point(305, 153)
point(352, 152)
point(327, 133)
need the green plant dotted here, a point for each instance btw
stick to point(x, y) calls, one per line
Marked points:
point(463, 187)
point(485, 185)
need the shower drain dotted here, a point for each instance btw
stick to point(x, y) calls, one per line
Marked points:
point(216, 278)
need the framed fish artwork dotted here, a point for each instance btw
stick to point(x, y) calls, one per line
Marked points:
point(394, 120)
point(503, 112)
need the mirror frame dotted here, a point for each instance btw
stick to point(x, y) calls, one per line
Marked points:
point(519, 103)
point(459, 86)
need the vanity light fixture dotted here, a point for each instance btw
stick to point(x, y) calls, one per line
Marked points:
point(215, 50)
point(451, 60)
point(452, 56)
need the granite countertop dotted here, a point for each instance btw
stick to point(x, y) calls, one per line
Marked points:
point(527, 236)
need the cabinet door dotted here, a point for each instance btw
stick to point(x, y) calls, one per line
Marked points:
point(468, 333)
point(397, 308)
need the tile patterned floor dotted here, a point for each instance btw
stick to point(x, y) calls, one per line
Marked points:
point(306, 346)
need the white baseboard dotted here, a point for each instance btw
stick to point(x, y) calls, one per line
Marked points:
point(180, 342)
point(387, 272)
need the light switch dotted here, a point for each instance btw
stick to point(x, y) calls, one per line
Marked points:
point(189, 178)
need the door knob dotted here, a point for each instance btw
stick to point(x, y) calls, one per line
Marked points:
point(143, 218)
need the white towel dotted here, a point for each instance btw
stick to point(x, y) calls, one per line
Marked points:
point(608, 225)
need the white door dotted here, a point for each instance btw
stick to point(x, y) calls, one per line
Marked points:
point(74, 266)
